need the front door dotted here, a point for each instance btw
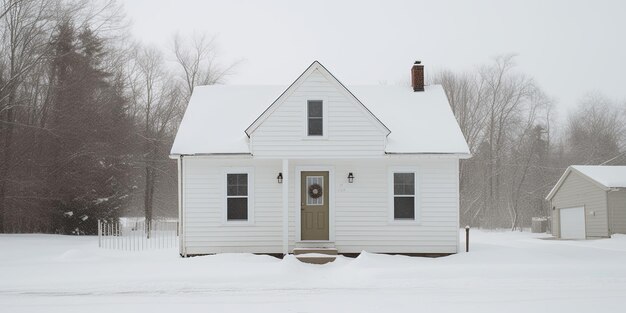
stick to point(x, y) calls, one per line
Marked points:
point(314, 205)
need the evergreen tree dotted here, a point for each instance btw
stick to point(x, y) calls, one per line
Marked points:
point(89, 171)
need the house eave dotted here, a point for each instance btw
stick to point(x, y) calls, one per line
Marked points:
point(178, 155)
point(460, 155)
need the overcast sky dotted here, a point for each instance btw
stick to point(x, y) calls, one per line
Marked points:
point(569, 47)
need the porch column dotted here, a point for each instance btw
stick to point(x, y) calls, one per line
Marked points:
point(285, 206)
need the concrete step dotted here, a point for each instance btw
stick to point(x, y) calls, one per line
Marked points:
point(324, 251)
point(315, 255)
point(315, 244)
point(315, 258)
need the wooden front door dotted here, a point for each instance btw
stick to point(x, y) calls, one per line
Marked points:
point(314, 205)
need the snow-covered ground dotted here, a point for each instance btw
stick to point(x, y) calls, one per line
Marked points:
point(504, 272)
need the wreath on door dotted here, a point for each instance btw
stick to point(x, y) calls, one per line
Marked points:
point(315, 191)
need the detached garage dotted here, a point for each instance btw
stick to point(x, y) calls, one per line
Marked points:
point(589, 202)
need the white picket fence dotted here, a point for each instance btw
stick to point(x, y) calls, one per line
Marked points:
point(137, 235)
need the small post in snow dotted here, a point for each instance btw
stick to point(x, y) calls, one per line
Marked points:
point(467, 228)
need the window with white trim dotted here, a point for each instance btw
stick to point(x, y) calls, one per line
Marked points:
point(237, 197)
point(315, 118)
point(404, 196)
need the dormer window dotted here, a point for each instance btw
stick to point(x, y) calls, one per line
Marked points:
point(315, 120)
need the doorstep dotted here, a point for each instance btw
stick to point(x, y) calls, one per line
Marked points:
point(315, 255)
point(315, 244)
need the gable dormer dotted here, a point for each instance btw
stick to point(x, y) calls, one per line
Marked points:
point(317, 116)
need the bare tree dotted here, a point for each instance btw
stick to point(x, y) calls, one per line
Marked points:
point(465, 92)
point(596, 130)
point(529, 151)
point(499, 111)
point(7, 5)
point(196, 58)
point(157, 102)
point(25, 33)
point(507, 121)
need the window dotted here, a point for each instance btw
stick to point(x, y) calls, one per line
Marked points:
point(237, 197)
point(404, 196)
point(315, 120)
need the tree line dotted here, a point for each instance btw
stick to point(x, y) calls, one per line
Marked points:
point(88, 114)
point(519, 150)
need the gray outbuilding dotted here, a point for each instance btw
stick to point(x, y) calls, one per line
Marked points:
point(589, 202)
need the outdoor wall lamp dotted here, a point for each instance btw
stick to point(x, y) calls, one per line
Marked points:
point(350, 178)
point(280, 178)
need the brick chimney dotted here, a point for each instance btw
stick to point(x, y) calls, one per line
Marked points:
point(417, 76)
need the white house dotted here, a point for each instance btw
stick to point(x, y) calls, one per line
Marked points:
point(267, 169)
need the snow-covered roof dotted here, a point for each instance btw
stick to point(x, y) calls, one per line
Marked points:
point(420, 122)
point(605, 176)
point(608, 176)
point(217, 117)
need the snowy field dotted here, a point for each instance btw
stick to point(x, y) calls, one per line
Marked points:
point(504, 272)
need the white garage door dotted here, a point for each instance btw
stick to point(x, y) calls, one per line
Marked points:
point(573, 223)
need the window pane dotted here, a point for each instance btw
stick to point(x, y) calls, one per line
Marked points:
point(231, 179)
point(242, 190)
point(404, 183)
point(404, 208)
point(315, 108)
point(237, 184)
point(242, 179)
point(315, 127)
point(237, 209)
point(311, 180)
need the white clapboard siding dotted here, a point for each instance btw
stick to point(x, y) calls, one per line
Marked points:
point(349, 130)
point(362, 215)
point(361, 212)
point(204, 188)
